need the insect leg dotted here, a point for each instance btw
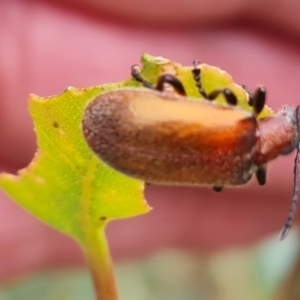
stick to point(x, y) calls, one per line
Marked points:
point(261, 175)
point(135, 73)
point(197, 77)
point(173, 81)
point(217, 188)
point(165, 78)
point(258, 99)
point(249, 92)
point(227, 93)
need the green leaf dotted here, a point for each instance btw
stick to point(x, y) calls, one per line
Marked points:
point(66, 185)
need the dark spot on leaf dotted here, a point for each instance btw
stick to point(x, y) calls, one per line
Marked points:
point(55, 124)
point(103, 218)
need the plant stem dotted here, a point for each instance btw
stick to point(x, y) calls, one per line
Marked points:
point(101, 266)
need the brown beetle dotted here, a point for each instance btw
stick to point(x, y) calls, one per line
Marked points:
point(169, 139)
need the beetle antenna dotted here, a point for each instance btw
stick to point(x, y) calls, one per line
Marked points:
point(288, 223)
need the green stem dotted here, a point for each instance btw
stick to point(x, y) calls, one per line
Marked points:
point(95, 244)
point(101, 266)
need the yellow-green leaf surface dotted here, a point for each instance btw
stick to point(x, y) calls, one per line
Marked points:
point(66, 185)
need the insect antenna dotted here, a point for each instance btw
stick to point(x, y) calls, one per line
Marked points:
point(288, 223)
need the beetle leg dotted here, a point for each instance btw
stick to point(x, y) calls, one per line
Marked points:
point(227, 93)
point(261, 175)
point(258, 99)
point(135, 73)
point(217, 188)
point(165, 78)
point(249, 92)
point(197, 77)
point(173, 81)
